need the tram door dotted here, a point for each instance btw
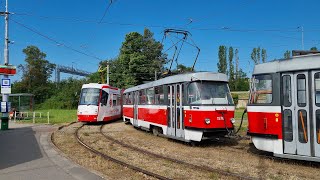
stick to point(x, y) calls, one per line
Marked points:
point(316, 110)
point(296, 113)
point(175, 118)
point(135, 107)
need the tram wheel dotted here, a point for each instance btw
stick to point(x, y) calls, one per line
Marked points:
point(155, 131)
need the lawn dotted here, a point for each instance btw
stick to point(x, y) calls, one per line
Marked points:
point(56, 116)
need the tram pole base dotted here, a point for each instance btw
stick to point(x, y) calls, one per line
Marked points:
point(4, 123)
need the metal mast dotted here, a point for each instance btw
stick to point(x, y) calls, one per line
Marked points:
point(5, 97)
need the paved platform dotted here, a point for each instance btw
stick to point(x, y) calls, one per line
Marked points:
point(26, 152)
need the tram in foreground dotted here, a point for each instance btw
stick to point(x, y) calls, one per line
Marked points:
point(284, 107)
point(188, 107)
point(99, 102)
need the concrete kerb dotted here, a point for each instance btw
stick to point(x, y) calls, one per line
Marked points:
point(62, 161)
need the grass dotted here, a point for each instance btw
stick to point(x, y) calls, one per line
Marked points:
point(56, 116)
point(237, 116)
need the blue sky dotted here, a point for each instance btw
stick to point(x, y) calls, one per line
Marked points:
point(243, 24)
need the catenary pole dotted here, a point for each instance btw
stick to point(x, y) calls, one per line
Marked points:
point(5, 97)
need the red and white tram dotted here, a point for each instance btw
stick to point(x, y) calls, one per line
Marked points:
point(99, 102)
point(284, 107)
point(187, 107)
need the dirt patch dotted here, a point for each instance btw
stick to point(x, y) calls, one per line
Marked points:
point(231, 156)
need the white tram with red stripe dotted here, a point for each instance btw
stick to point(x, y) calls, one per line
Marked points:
point(99, 102)
point(284, 107)
point(187, 107)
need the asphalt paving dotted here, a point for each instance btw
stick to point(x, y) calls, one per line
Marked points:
point(26, 152)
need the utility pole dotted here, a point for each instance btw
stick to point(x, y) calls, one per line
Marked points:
point(5, 96)
point(302, 38)
point(302, 43)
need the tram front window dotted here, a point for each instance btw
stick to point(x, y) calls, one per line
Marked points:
point(261, 89)
point(89, 96)
point(209, 93)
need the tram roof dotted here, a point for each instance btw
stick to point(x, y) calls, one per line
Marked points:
point(297, 63)
point(199, 76)
point(97, 85)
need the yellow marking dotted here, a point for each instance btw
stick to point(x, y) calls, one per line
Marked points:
point(277, 119)
point(277, 115)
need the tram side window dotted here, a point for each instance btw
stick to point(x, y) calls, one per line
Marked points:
point(302, 126)
point(318, 125)
point(142, 97)
point(262, 89)
point(118, 99)
point(104, 98)
point(114, 100)
point(301, 90)
point(125, 99)
point(150, 96)
point(286, 86)
point(159, 96)
point(287, 123)
point(317, 88)
point(193, 94)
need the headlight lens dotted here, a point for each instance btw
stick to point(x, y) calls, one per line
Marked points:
point(233, 120)
point(207, 120)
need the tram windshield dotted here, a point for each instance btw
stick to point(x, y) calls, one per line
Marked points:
point(261, 89)
point(89, 96)
point(207, 92)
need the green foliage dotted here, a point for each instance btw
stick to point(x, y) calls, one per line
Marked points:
point(287, 54)
point(259, 55)
point(314, 49)
point(36, 74)
point(242, 82)
point(231, 69)
point(140, 57)
point(235, 98)
point(66, 95)
point(222, 64)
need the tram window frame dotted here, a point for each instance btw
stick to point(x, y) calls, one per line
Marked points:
point(318, 125)
point(287, 90)
point(150, 98)
point(125, 99)
point(287, 125)
point(142, 97)
point(317, 93)
point(118, 99)
point(158, 92)
point(303, 136)
point(265, 77)
point(104, 97)
point(300, 91)
point(114, 99)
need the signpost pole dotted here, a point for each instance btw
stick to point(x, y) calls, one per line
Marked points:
point(5, 96)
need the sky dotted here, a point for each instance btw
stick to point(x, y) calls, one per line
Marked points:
point(76, 33)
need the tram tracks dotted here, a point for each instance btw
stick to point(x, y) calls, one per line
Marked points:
point(122, 163)
point(187, 164)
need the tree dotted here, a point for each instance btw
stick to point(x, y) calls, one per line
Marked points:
point(263, 55)
point(242, 83)
point(314, 48)
point(139, 58)
point(237, 62)
point(222, 64)
point(36, 74)
point(259, 55)
point(231, 69)
point(287, 54)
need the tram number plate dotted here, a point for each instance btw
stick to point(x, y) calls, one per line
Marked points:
point(220, 118)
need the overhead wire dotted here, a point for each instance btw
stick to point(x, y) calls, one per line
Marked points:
point(106, 10)
point(55, 41)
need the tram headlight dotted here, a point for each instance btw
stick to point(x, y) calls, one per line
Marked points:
point(207, 120)
point(233, 120)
